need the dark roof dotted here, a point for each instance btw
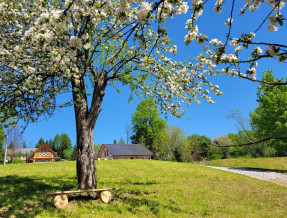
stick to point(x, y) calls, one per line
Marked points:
point(21, 151)
point(127, 149)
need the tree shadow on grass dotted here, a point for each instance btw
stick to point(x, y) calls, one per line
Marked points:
point(135, 204)
point(129, 182)
point(261, 169)
point(24, 196)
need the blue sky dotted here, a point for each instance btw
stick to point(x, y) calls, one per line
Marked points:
point(203, 119)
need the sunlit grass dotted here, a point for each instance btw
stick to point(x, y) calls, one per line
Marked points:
point(146, 188)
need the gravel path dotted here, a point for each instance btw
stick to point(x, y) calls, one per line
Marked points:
point(278, 178)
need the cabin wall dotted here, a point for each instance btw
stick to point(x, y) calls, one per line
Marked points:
point(40, 160)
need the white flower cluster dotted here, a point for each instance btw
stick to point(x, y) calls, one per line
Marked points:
point(256, 52)
point(252, 73)
point(273, 50)
point(197, 7)
point(228, 22)
point(216, 42)
point(202, 38)
point(168, 10)
point(218, 5)
point(75, 42)
point(233, 42)
point(173, 50)
point(192, 34)
point(182, 9)
point(237, 49)
point(145, 8)
point(274, 19)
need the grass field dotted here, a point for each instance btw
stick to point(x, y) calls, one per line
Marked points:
point(275, 163)
point(146, 188)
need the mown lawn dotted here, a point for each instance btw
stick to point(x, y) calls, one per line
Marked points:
point(272, 163)
point(146, 188)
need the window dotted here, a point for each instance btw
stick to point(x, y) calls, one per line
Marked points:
point(46, 160)
point(39, 160)
point(43, 150)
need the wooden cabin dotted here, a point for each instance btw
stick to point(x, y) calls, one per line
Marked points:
point(42, 154)
point(124, 151)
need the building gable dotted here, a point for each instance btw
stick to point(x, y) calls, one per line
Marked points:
point(128, 150)
point(44, 153)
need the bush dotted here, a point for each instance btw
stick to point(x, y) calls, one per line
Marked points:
point(16, 160)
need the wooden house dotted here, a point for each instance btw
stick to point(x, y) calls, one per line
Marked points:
point(42, 154)
point(124, 151)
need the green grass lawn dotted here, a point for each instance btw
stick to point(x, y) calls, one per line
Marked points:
point(272, 163)
point(146, 188)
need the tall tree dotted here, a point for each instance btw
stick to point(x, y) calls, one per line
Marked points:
point(2, 138)
point(24, 145)
point(122, 141)
point(147, 124)
point(50, 143)
point(66, 146)
point(74, 153)
point(201, 147)
point(178, 144)
point(14, 140)
point(128, 132)
point(57, 143)
point(53, 47)
point(161, 146)
point(221, 142)
point(62, 145)
point(40, 143)
point(269, 119)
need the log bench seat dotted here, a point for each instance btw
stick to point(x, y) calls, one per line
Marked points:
point(60, 199)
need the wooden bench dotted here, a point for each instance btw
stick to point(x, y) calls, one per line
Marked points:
point(60, 199)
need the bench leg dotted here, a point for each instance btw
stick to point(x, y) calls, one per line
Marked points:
point(106, 196)
point(60, 201)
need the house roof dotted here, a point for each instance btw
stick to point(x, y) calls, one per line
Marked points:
point(127, 149)
point(21, 151)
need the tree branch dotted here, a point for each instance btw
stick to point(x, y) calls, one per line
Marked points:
point(251, 143)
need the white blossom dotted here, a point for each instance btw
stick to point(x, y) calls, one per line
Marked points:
point(87, 46)
point(228, 22)
point(145, 8)
point(75, 42)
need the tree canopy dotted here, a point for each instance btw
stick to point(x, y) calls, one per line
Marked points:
point(147, 125)
point(40, 143)
point(269, 118)
point(62, 145)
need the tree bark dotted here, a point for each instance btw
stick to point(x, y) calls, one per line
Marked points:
point(86, 171)
point(85, 122)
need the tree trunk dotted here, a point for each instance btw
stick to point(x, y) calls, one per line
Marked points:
point(85, 122)
point(86, 171)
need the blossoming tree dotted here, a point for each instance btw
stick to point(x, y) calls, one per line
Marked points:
point(50, 47)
